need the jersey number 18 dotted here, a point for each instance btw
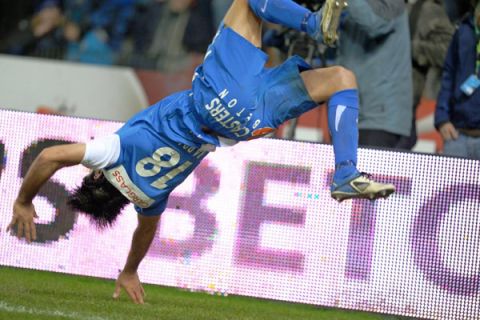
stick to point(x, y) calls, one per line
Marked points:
point(155, 165)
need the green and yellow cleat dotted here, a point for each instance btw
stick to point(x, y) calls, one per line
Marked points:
point(331, 12)
point(361, 187)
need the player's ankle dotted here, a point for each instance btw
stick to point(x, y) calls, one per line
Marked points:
point(311, 25)
point(344, 170)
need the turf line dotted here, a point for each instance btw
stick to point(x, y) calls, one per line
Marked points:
point(51, 313)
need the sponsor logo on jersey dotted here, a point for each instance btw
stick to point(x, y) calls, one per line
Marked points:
point(119, 178)
point(262, 132)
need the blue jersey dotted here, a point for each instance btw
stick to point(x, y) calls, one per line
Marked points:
point(233, 95)
point(159, 148)
point(237, 97)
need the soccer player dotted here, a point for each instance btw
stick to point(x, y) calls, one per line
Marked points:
point(233, 98)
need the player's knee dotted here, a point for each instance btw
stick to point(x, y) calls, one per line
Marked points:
point(345, 78)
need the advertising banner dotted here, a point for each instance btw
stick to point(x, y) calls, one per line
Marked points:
point(257, 220)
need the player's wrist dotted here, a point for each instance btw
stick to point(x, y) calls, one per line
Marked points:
point(129, 271)
point(23, 200)
point(130, 268)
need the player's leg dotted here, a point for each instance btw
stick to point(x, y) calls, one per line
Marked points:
point(285, 12)
point(244, 22)
point(338, 86)
point(321, 25)
point(287, 94)
point(244, 17)
point(323, 83)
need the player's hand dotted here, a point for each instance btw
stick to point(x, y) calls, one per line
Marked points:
point(131, 283)
point(23, 216)
point(448, 131)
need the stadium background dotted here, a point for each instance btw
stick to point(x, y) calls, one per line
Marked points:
point(415, 255)
point(130, 90)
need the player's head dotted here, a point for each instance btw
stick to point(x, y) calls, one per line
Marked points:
point(98, 199)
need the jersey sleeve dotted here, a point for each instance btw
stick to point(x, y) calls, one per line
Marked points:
point(102, 152)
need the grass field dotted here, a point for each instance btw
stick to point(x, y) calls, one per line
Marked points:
point(27, 294)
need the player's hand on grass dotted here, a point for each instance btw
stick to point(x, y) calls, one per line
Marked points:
point(448, 131)
point(130, 282)
point(23, 216)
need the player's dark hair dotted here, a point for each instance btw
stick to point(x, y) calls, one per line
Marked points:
point(98, 199)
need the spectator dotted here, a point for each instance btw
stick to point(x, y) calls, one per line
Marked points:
point(15, 14)
point(81, 30)
point(95, 29)
point(166, 33)
point(457, 115)
point(456, 9)
point(431, 33)
point(375, 44)
point(38, 35)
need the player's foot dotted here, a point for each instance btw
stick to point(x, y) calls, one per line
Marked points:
point(360, 186)
point(328, 19)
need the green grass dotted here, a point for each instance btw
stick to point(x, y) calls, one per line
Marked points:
point(27, 294)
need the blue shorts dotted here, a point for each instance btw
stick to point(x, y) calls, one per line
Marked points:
point(238, 97)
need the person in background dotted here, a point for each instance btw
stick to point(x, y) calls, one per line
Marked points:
point(38, 35)
point(17, 19)
point(167, 35)
point(96, 29)
point(457, 115)
point(431, 32)
point(90, 31)
point(375, 44)
point(456, 9)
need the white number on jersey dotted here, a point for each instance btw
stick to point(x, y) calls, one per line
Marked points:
point(156, 164)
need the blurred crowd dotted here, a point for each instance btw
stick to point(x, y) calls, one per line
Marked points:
point(151, 34)
point(399, 50)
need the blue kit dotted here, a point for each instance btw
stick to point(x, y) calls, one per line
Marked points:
point(233, 96)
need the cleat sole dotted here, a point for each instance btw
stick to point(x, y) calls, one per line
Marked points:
point(383, 194)
point(361, 187)
point(331, 19)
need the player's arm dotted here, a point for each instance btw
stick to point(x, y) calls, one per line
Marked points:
point(49, 161)
point(141, 241)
